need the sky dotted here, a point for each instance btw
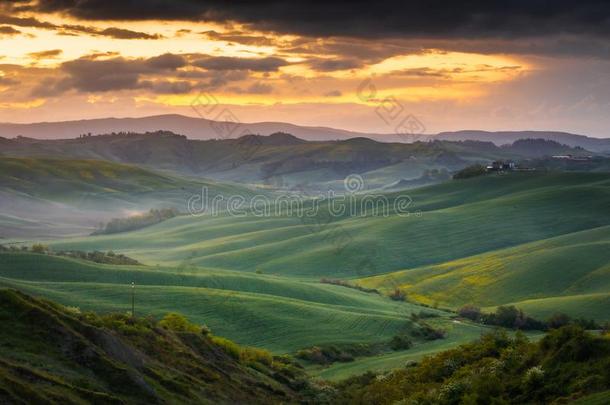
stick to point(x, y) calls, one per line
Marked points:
point(361, 65)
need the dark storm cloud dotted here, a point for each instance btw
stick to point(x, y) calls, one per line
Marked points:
point(159, 74)
point(6, 30)
point(168, 87)
point(239, 37)
point(68, 29)
point(382, 18)
point(101, 75)
point(166, 61)
point(329, 65)
point(94, 75)
point(120, 33)
point(269, 64)
point(26, 22)
point(255, 88)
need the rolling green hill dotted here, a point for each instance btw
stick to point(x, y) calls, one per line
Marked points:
point(569, 273)
point(535, 240)
point(42, 197)
point(67, 180)
point(281, 160)
point(490, 240)
point(277, 313)
point(453, 220)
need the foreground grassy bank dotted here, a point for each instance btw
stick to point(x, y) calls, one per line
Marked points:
point(55, 354)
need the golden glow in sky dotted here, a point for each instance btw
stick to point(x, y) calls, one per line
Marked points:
point(141, 68)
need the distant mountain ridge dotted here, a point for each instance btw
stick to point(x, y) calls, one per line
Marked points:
point(201, 128)
point(194, 128)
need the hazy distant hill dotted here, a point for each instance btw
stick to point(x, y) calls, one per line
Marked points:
point(281, 159)
point(508, 137)
point(195, 128)
point(200, 128)
point(58, 197)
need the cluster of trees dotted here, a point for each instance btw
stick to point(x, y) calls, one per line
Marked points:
point(344, 283)
point(96, 256)
point(514, 318)
point(470, 171)
point(131, 223)
point(337, 353)
point(100, 257)
point(131, 133)
point(347, 352)
point(428, 332)
point(566, 364)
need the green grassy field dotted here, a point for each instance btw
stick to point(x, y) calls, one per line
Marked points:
point(454, 220)
point(97, 181)
point(277, 313)
point(569, 273)
point(521, 238)
point(536, 240)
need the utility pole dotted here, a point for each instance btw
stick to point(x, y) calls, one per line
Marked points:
point(133, 299)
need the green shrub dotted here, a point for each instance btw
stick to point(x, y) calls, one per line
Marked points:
point(178, 323)
point(400, 342)
point(398, 295)
point(427, 332)
point(470, 312)
point(558, 320)
point(229, 347)
point(40, 248)
point(335, 353)
point(154, 216)
point(253, 355)
point(205, 330)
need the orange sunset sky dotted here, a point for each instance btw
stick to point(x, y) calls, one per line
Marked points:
point(64, 60)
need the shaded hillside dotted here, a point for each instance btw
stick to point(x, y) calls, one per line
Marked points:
point(543, 147)
point(53, 354)
point(57, 197)
point(507, 137)
point(279, 159)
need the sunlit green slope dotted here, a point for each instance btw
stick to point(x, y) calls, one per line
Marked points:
point(569, 273)
point(273, 312)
